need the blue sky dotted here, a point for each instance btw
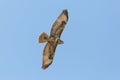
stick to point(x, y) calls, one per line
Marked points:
point(91, 49)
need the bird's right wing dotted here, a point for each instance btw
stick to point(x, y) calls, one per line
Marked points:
point(59, 24)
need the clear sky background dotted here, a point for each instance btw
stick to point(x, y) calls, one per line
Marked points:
point(91, 49)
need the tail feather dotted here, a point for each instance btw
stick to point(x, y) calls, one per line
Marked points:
point(43, 38)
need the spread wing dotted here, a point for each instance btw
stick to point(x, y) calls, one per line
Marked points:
point(48, 54)
point(59, 24)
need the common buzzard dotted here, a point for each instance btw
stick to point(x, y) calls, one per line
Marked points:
point(54, 39)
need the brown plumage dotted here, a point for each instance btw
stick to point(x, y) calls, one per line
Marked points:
point(53, 40)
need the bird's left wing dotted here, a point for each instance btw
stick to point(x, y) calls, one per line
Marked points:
point(48, 54)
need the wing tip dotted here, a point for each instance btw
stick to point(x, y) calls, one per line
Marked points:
point(45, 66)
point(65, 11)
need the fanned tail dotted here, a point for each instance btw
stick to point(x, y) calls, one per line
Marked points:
point(43, 38)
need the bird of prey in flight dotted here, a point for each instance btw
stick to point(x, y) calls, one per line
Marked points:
point(53, 40)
